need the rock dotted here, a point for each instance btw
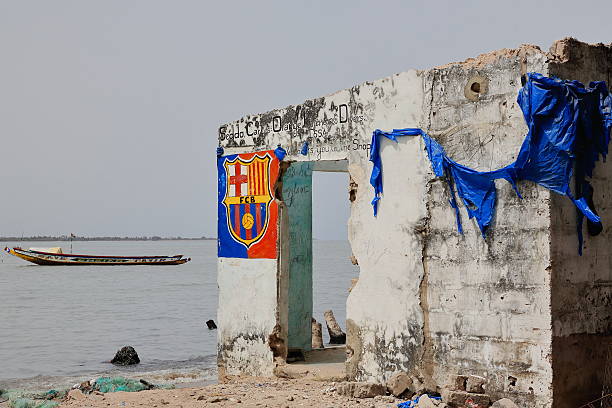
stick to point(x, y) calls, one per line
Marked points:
point(504, 403)
point(399, 383)
point(211, 324)
point(317, 335)
point(361, 389)
point(126, 356)
point(418, 387)
point(469, 400)
point(216, 399)
point(76, 395)
point(475, 383)
point(425, 402)
point(336, 335)
point(461, 382)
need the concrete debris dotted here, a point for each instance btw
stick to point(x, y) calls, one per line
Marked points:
point(469, 400)
point(426, 402)
point(399, 383)
point(361, 389)
point(76, 395)
point(317, 334)
point(475, 384)
point(504, 403)
point(336, 335)
point(418, 387)
point(461, 382)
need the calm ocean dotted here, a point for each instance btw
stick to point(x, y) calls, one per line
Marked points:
point(58, 324)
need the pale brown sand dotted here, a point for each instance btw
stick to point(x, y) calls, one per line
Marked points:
point(244, 392)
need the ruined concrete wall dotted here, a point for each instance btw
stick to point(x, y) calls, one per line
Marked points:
point(253, 310)
point(384, 317)
point(430, 301)
point(247, 315)
point(581, 286)
point(487, 300)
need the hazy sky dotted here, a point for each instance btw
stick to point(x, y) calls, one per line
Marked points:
point(109, 109)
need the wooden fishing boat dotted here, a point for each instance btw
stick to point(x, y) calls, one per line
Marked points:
point(55, 256)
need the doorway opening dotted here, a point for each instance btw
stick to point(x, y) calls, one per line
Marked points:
point(320, 268)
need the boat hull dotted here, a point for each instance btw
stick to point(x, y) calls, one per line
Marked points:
point(43, 258)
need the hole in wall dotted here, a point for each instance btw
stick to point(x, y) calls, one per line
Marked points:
point(476, 87)
point(333, 268)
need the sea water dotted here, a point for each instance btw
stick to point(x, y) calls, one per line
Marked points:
point(68, 321)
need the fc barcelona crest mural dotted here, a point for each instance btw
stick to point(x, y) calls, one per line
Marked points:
point(247, 211)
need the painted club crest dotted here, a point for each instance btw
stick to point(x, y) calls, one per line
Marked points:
point(247, 198)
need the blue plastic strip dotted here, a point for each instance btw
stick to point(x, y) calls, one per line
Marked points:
point(304, 150)
point(569, 129)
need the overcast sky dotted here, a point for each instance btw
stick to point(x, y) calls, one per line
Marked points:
point(109, 109)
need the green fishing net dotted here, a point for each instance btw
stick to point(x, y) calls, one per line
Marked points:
point(31, 399)
point(113, 384)
point(51, 398)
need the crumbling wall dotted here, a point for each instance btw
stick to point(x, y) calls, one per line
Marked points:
point(581, 285)
point(247, 315)
point(429, 301)
point(384, 316)
point(487, 299)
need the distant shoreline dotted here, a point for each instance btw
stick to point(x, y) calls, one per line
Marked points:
point(77, 239)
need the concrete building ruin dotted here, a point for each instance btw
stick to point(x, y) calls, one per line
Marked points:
point(520, 308)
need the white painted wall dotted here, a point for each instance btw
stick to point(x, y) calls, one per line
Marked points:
point(247, 315)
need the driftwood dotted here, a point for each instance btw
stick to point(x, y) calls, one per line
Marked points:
point(317, 335)
point(336, 335)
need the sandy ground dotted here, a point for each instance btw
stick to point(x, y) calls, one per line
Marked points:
point(246, 392)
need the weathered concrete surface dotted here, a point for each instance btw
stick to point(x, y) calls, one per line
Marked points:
point(581, 286)
point(488, 299)
point(429, 301)
point(248, 315)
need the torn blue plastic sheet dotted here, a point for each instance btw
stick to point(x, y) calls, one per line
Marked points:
point(304, 150)
point(414, 402)
point(569, 129)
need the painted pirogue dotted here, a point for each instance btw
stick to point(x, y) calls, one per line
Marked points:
point(54, 256)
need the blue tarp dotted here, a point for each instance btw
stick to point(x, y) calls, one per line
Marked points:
point(569, 128)
point(413, 403)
